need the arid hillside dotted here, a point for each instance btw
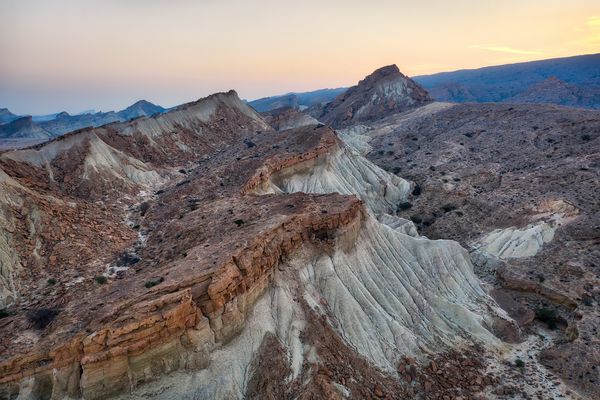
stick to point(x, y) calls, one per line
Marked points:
point(422, 250)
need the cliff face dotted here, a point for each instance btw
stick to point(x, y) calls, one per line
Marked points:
point(220, 243)
point(208, 272)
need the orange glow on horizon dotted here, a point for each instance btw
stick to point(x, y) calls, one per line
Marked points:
point(77, 55)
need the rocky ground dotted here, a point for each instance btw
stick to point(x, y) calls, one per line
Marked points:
point(482, 167)
point(211, 252)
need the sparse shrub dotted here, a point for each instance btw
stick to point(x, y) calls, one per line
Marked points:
point(182, 171)
point(127, 258)
point(541, 278)
point(416, 191)
point(547, 316)
point(404, 206)
point(448, 207)
point(41, 318)
point(239, 222)
point(396, 170)
point(51, 281)
point(519, 363)
point(144, 207)
point(4, 313)
point(100, 279)
point(586, 138)
point(428, 221)
point(154, 282)
point(416, 219)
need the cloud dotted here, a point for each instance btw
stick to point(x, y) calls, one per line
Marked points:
point(505, 49)
point(594, 21)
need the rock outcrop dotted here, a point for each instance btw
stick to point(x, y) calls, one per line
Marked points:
point(385, 92)
point(207, 252)
point(288, 118)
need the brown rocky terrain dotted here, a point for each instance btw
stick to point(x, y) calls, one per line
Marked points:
point(211, 252)
point(134, 252)
point(287, 118)
point(386, 91)
point(485, 167)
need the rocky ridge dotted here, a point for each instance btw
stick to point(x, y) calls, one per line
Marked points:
point(191, 276)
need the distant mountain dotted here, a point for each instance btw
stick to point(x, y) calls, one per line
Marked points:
point(580, 77)
point(299, 101)
point(64, 122)
point(6, 116)
point(58, 124)
point(386, 91)
point(23, 128)
point(141, 108)
point(556, 91)
point(43, 118)
point(288, 118)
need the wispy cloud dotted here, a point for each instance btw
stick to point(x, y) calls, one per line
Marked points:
point(594, 21)
point(505, 49)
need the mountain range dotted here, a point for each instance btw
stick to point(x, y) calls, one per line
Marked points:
point(383, 245)
point(572, 81)
point(28, 127)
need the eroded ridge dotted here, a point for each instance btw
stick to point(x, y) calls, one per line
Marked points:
point(225, 267)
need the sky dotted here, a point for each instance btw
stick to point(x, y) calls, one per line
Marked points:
point(77, 55)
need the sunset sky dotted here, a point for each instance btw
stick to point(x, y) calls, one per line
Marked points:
point(77, 55)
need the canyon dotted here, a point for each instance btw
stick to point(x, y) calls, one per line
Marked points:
point(381, 245)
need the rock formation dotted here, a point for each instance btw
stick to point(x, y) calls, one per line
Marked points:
point(386, 91)
point(210, 252)
point(205, 241)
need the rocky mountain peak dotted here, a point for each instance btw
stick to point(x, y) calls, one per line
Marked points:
point(381, 73)
point(384, 92)
point(141, 108)
point(6, 116)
